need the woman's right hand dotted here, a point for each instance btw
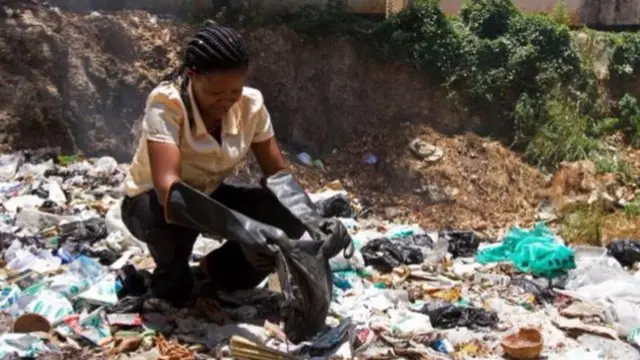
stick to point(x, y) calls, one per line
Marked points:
point(164, 159)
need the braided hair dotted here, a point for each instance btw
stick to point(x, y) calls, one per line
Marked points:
point(213, 47)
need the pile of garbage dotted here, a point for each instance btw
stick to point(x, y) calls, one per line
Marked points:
point(72, 272)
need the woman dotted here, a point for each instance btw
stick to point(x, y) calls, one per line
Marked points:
point(197, 127)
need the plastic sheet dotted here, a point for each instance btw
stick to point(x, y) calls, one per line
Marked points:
point(534, 251)
point(302, 266)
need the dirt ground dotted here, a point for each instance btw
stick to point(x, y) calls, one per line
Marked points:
point(79, 81)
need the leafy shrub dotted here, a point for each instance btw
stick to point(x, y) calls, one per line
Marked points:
point(562, 138)
point(488, 18)
point(520, 72)
point(423, 35)
point(630, 118)
point(625, 60)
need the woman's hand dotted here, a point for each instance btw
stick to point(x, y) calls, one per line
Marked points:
point(269, 156)
point(164, 159)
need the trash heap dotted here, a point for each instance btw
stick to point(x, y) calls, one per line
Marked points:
point(72, 276)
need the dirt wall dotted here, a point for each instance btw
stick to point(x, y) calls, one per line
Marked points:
point(79, 81)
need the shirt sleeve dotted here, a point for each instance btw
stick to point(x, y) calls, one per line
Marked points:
point(264, 128)
point(161, 122)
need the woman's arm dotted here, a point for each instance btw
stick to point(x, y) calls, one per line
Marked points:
point(161, 128)
point(164, 159)
point(269, 156)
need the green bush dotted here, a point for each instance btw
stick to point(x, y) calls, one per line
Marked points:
point(422, 35)
point(488, 18)
point(521, 73)
point(625, 60)
point(562, 138)
point(331, 19)
point(630, 118)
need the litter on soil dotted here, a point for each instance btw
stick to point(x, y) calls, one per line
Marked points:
point(73, 276)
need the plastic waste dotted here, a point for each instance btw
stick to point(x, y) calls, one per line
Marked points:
point(103, 292)
point(114, 224)
point(9, 296)
point(55, 193)
point(324, 343)
point(305, 158)
point(51, 305)
point(356, 262)
point(462, 243)
point(22, 345)
point(399, 231)
point(445, 315)
point(9, 166)
point(634, 337)
point(627, 252)
point(543, 294)
point(23, 202)
point(34, 170)
point(611, 349)
point(407, 324)
point(602, 280)
point(18, 259)
point(104, 166)
point(35, 220)
point(385, 255)
point(336, 206)
point(534, 251)
point(93, 327)
point(302, 266)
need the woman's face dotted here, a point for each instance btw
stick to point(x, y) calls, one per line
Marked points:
point(217, 91)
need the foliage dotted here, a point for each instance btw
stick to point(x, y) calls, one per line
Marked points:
point(488, 18)
point(630, 118)
point(560, 15)
point(562, 138)
point(332, 19)
point(422, 35)
point(534, 86)
point(625, 60)
point(583, 224)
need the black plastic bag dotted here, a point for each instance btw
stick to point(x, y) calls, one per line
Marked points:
point(627, 252)
point(444, 315)
point(90, 231)
point(302, 265)
point(385, 255)
point(336, 206)
point(461, 243)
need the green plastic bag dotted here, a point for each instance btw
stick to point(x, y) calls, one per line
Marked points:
point(533, 251)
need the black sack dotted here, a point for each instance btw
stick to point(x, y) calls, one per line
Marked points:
point(303, 268)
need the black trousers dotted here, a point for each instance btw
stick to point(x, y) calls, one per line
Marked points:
point(171, 245)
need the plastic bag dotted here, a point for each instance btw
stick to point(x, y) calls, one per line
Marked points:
point(444, 315)
point(627, 252)
point(115, 224)
point(22, 345)
point(53, 306)
point(534, 251)
point(385, 255)
point(302, 265)
point(461, 243)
